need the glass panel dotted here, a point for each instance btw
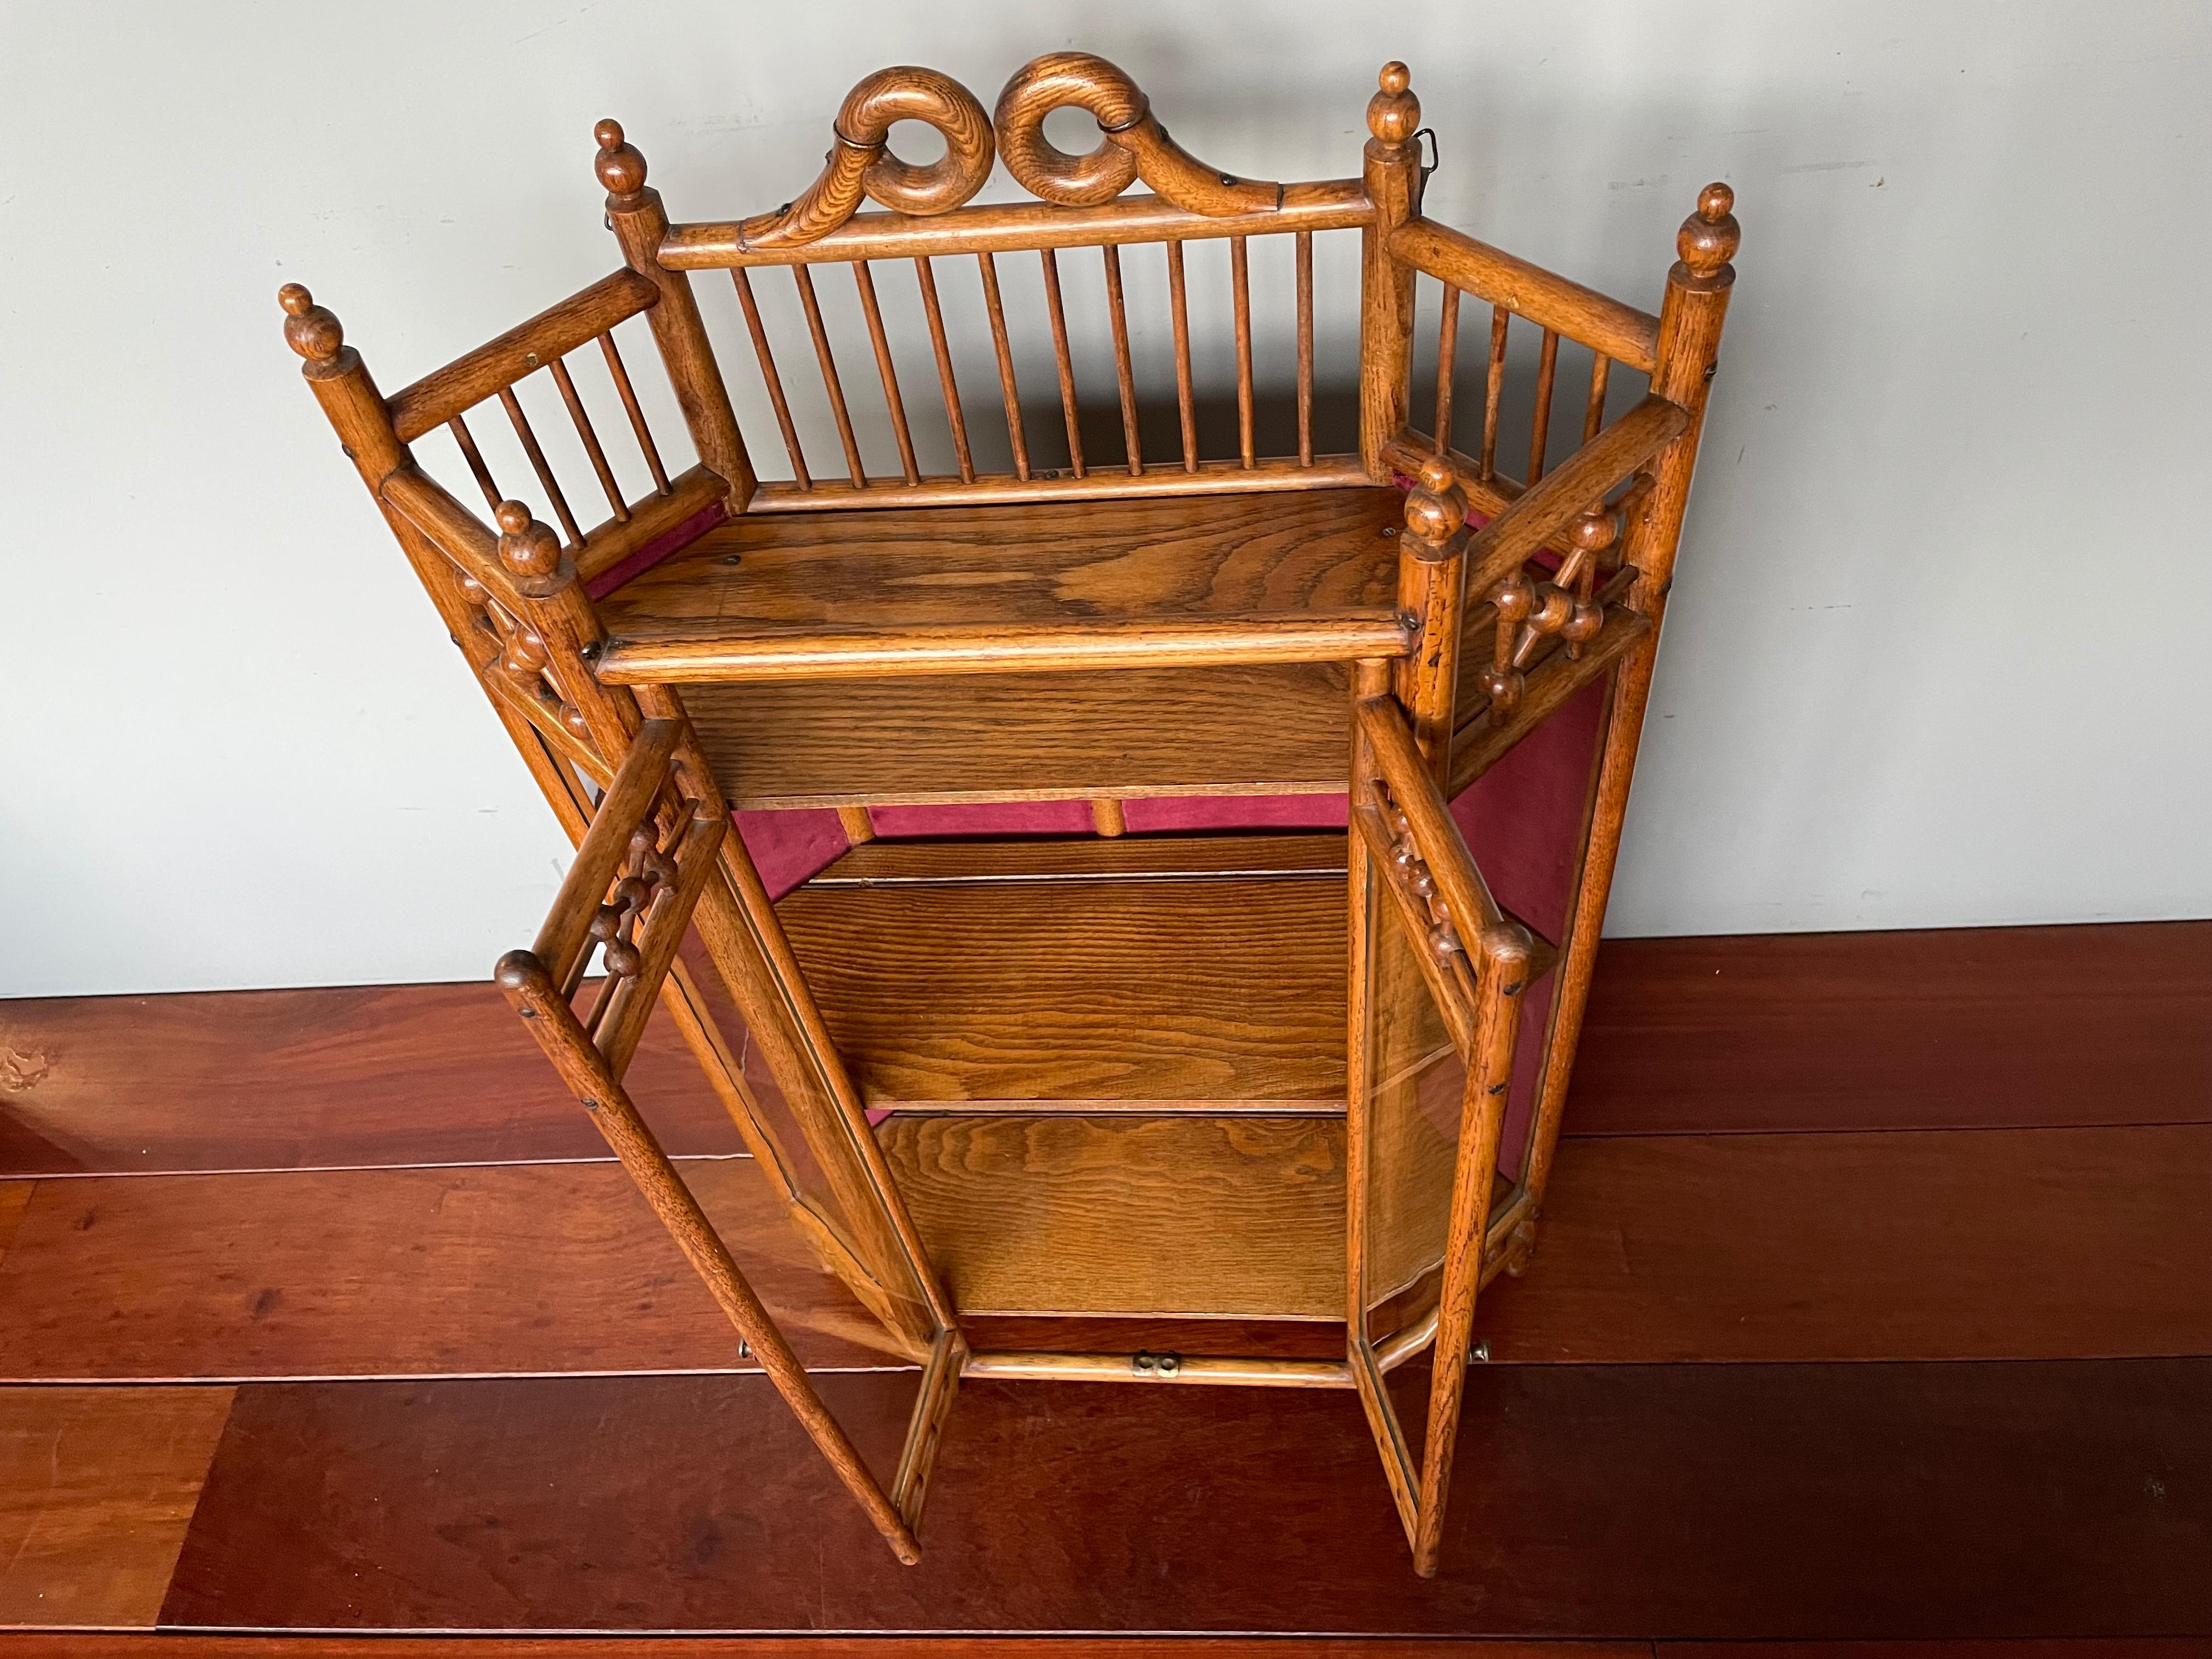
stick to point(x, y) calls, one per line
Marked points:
point(1411, 1084)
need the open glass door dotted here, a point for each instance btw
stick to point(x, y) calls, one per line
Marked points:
point(1437, 972)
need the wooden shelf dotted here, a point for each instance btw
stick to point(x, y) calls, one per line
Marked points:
point(1191, 555)
point(1250, 729)
point(1191, 1216)
point(1245, 731)
point(1190, 973)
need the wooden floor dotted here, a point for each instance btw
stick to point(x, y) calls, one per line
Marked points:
point(1872, 1308)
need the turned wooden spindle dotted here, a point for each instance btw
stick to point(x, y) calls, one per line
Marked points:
point(1392, 174)
point(641, 225)
point(1588, 538)
point(1514, 598)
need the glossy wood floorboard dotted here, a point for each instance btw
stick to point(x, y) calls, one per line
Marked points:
point(362, 1075)
point(96, 1488)
point(1941, 1244)
point(1934, 1245)
point(530, 1267)
point(178, 1645)
point(1707, 1501)
point(185, 1645)
point(1959, 1028)
point(1968, 1027)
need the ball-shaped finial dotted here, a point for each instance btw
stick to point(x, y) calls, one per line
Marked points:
point(1593, 531)
point(1710, 236)
point(309, 329)
point(1435, 508)
point(1394, 114)
point(526, 547)
point(619, 168)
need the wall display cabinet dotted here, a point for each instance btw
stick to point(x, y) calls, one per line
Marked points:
point(1194, 1099)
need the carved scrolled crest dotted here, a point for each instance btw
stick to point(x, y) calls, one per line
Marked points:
point(860, 163)
point(1132, 144)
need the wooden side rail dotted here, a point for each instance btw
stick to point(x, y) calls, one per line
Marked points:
point(1541, 512)
point(1017, 227)
point(469, 379)
point(445, 396)
point(955, 648)
point(1477, 962)
point(457, 532)
point(1565, 307)
point(638, 872)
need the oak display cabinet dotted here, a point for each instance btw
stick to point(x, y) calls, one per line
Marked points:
point(1174, 1108)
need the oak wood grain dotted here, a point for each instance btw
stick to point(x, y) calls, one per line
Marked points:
point(1966, 1027)
point(885, 862)
point(1206, 1216)
point(398, 1272)
point(96, 1488)
point(1266, 729)
point(1686, 1501)
point(1228, 990)
point(1187, 557)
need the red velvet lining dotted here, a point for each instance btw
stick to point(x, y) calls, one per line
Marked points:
point(668, 542)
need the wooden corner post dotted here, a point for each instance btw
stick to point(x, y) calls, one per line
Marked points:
point(1432, 590)
point(1690, 320)
point(1392, 174)
point(641, 225)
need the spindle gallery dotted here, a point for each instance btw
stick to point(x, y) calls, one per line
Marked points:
point(1099, 1106)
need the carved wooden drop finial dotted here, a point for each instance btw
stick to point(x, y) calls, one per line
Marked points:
point(1710, 236)
point(1394, 114)
point(1435, 511)
point(619, 168)
point(527, 547)
point(309, 329)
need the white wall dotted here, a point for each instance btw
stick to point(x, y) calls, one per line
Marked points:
point(1935, 651)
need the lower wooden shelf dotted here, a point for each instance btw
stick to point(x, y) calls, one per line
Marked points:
point(1186, 1216)
point(1200, 974)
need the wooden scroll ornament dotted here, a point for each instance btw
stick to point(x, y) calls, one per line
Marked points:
point(1134, 145)
point(860, 162)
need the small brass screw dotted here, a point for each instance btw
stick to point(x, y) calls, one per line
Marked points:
point(1480, 1351)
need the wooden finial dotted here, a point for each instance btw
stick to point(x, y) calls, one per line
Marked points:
point(1591, 533)
point(309, 329)
point(1435, 511)
point(527, 547)
point(619, 168)
point(1710, 237)
point(1394, 114)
